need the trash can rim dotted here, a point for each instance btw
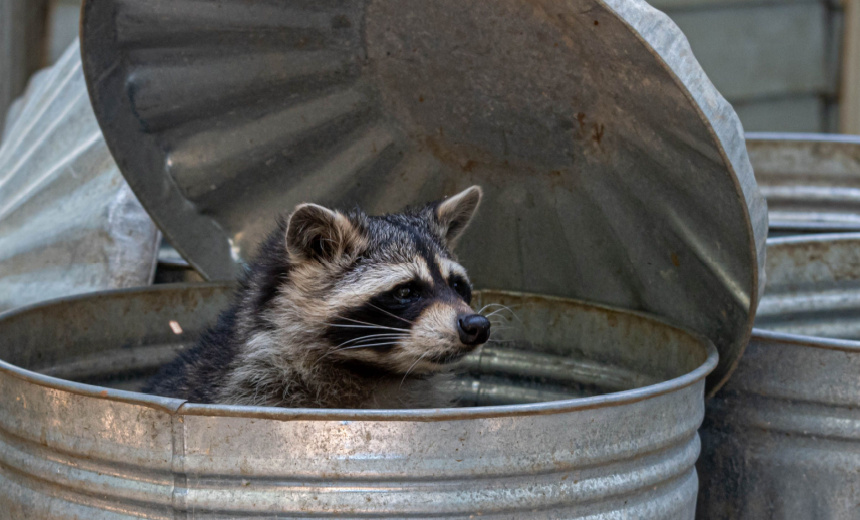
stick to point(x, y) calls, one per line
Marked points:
point(814, 237)
point(801, 340)
point(802, 136)
point(182, 407)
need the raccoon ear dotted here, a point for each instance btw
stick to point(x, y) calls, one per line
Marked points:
point(318, 233)
point(455, 213)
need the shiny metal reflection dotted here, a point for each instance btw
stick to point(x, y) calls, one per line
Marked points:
point(68, 448)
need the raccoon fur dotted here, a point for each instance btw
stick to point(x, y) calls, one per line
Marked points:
point(341, 310)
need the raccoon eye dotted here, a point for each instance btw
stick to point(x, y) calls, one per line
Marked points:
point(462, 288)
point(404, 292)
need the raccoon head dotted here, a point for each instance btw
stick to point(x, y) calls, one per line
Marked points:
point(386, 291)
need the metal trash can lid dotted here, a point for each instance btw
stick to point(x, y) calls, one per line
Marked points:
point(69, 223)
point(612, 168)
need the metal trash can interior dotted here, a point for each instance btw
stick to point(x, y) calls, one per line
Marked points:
point(73, 450)
point(782, 439)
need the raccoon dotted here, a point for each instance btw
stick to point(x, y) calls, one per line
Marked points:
point(341, 310)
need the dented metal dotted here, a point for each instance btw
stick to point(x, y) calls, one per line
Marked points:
point(782, 439)
point(74, 450)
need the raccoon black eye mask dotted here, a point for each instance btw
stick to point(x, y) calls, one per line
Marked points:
point(341, 310)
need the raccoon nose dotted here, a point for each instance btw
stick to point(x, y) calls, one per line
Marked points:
point(474, 329)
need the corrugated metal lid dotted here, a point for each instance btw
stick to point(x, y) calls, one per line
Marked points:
point(69, 223)
point(613, 170)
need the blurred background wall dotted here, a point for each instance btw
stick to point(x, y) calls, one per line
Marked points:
point(777, 62)
point(22, 27)
point(785, 65)
point(33, 34)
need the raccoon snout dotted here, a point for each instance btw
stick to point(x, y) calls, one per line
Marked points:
point(474, 329)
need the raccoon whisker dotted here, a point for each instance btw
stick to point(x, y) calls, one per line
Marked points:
point(365, 346)
point(498, 305)
point(411, 367)
point(391, 335)
point(501, 323)
point(497, 311)
point(390, 314)
point(384, 343)
point(359, 326)
point(368, 323)
point(367, 327)
point(334, 351)
point(485, 307)
point(513, 314)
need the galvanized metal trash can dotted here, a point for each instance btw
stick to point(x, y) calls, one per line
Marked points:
point(782, 439)
point(811, 181)
point(613, 172)
point(72, 450)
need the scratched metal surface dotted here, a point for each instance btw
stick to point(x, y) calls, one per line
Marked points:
point(811, 181)
point(74, 450)
point(69, 223)
point(613, 169)
point(782, 439)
